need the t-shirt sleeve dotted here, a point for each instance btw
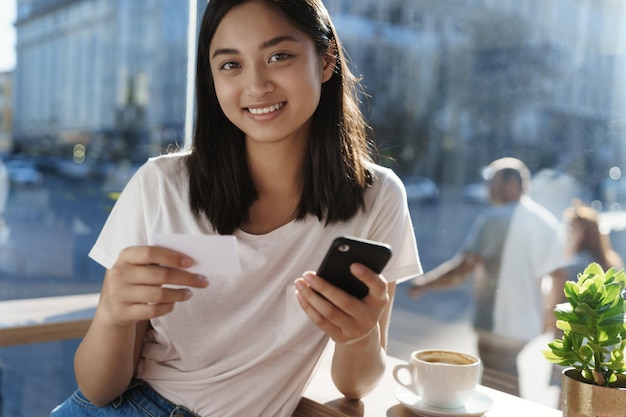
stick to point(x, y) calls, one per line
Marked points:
point(129, 220)
point(488, 232)
point(480, 239)
point(392, 224)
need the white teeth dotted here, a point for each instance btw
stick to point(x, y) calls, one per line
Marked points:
point(266, 110)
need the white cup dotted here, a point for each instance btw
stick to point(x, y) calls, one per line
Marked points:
point(442, 378)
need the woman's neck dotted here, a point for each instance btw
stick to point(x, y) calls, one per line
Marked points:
point(277, 172)
point(277, 167)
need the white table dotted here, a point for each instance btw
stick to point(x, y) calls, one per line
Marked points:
point(323, 399)
point(68, 317)
point(37, 320)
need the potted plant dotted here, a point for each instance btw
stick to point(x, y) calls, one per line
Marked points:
point(592, 345)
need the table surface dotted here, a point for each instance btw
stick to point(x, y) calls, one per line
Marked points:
point(31, 311)
point(46, 319)
point(55, 318)
point(321, 398)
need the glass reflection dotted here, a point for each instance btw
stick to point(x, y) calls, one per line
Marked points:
point(99, 85)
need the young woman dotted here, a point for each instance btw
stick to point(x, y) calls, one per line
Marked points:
point(280, 159)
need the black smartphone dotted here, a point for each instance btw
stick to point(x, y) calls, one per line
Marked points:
point(346, 250)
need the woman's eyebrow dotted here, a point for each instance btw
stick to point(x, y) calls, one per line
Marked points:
point(267, 44)
point(275, 41)
point(224, 51)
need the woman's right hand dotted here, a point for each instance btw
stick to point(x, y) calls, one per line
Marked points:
point(137, 288)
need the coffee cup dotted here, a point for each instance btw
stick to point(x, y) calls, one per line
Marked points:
point(442, 378)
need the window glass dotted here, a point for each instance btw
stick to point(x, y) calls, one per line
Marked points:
point(98, 86)
point(455, 85)
point(93, 89)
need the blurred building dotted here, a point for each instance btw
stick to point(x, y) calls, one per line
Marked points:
point(451, 84)
point(6, 87)
point(456, 83)
point(6, 112)
point(90, 71)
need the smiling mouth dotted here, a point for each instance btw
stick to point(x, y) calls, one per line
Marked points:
point(266, 110)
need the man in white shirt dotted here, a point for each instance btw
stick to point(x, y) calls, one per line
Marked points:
point(516, 244)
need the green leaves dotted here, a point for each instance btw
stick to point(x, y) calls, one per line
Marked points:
point(592, 320)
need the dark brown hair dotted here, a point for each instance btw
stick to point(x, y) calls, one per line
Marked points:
point(336, 172)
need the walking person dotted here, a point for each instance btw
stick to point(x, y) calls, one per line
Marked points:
point(511, 249)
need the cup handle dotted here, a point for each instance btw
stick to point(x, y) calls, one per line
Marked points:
point(396, 375)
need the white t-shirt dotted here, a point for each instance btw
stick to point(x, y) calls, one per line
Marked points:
point(534, 248)
point(243, 346)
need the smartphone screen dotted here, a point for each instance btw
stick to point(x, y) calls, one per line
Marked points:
point(346, 250)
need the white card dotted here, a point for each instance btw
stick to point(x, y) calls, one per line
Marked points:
point(213, 254)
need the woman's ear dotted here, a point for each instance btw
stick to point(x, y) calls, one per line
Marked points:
point(329, 62)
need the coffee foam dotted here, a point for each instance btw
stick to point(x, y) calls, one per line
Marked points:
point(445, 357)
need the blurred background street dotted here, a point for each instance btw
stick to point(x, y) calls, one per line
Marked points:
point(91, 88)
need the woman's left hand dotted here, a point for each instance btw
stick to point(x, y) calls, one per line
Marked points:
point(346, 319)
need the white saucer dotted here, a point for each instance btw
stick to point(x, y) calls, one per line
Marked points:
point(477, 405)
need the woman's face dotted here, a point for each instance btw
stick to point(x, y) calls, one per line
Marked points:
point(267, 74)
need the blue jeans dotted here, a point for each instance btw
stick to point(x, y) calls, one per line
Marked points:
point(139, 400)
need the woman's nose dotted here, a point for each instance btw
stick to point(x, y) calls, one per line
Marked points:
point(259, 83)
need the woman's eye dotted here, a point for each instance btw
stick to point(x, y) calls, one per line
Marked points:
point(279, 57)
point(230, 66)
